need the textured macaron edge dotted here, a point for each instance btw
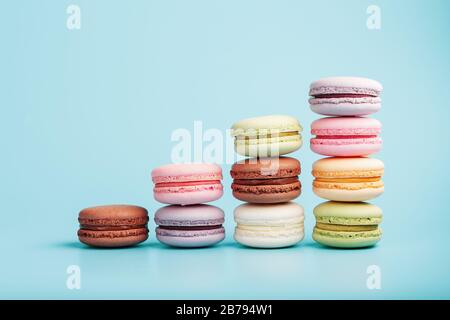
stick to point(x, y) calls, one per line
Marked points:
point(265, 125)
point(183, 189)
point(345, 100)
point(349, 234)
point(352, 85)
point(160, 231)
point(111, 234)
point(361, 221)
point(348, 173)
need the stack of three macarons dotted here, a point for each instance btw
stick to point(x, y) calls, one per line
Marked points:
point(348, 176)
point(268, 181)
point(187, 221)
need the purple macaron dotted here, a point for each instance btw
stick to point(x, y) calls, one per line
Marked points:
point(190, 226)
point(345, 96)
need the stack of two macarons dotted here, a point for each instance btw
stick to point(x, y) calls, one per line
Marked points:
point(187, 221)
point(267, 181)
point(347, 176)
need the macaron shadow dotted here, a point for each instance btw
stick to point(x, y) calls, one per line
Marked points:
point(316, 245)
point(241, 246)
point(78, 246)
point(175, 248)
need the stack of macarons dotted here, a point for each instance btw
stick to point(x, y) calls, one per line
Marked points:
point(187, 221)
point(267, 181)
point(348, 175)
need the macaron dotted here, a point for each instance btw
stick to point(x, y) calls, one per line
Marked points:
point(269, 225)
point(348, 179)
point(267, 136)
point(346, 136)
point(266, 180)
point(191, 226)
point(347, 225)
point(113, 225)
point(345, 96)
point(187, 184)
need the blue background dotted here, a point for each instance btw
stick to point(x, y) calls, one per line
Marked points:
point(87, 114)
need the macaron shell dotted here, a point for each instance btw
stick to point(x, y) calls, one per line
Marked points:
point(268, 194)
point(265, 125)
point(346, 147)
point(336, 210)
point(186, 172)
point(346, 239)
point(189, 216)
point(346, 126)
point(345, 107)
point(190, 238)
point(347, 167)
point(113, 239)
point(269, 215)
point(348, 195)
point(188, 198)
point(352, 85)
point(283, 146)
point(120, 213)
point(265, 168)
point(269, 240)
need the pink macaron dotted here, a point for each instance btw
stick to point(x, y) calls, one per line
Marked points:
point(187, 184)
point(346, 136)
point(345, 96)
point(191, 226)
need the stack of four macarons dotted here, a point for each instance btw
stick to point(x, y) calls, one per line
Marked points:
point(347, 177)
point(268, 182)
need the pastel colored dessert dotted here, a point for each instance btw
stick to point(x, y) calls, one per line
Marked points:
point(186, 184)
point(267, 136)
point(266, 180)
point(113, 225)
point(346, 136)
point(191, 226)
point(269, 225)
point(345, 96)
point(348, 179)
point(347, 225)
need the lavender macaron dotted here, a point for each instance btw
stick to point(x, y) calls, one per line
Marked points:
point(190, 226)
point(345, 96)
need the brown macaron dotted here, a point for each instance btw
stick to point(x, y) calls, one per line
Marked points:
point(266, 180)
point(113, 226)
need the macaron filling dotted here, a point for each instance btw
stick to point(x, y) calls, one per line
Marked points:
point(349, 180)
point(186, 183)
point(346, 136)
point(97, 234)
point(265, 182)
point(373, 234)
point(343, 95)
point(269, 134)
point(189, 231)
point(187, 186)
point(350, 228)
point(185, 228)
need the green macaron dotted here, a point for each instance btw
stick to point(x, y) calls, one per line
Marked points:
point(347, 224)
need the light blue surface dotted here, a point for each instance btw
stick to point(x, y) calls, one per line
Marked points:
point(87, 114)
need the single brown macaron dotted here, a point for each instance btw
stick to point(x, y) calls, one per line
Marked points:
point(113, 226)
point(266, 180)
